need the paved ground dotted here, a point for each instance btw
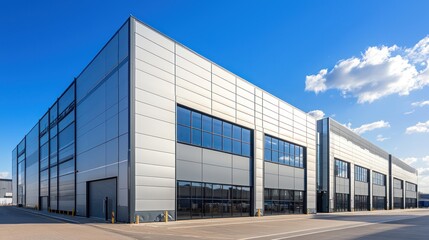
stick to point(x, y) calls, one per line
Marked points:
point(410, 224)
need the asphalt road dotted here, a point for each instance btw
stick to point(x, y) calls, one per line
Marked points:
point(396, 224)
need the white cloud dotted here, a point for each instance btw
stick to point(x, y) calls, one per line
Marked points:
point(380, 138)
point(379, 71)
point(318, 114)
point(422, 166)
point(420, 127)
point(420, 104)
point(423, 183)
point(4, 175)
point(408, 113)
point(369, 127)
point(410, 160)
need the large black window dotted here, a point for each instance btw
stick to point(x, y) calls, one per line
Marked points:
point(398, 203)
point(378, 203)
point(210, 200)
point(205, 131)
point(361, 203)
point(279, 151)
point(378, 179)
point(361, 174)
point(283, 201)
point(410, 202)
point(342, 201)
point(342, 169)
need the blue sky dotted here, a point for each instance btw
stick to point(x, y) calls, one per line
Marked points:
point(362, 62)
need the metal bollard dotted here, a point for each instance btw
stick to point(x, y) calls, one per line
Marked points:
point(73, 212)
point(113, 217)
point(137, 219)
point(165, 216)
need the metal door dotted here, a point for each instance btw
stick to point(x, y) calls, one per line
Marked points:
point(102, 198)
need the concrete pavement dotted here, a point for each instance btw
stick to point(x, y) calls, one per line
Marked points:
point(395, 224)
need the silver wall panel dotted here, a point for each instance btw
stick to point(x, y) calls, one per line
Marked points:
point(379, 190)
point(397, 192)
point(189, 171)
point(204, 86)
point(217, 174)
point(102, 123)
point(361, 188)
point(32, 168)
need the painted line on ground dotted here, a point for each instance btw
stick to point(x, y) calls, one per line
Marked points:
point(236, 223)
point(341, 227)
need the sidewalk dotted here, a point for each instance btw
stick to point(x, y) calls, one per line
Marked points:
point(63, 217)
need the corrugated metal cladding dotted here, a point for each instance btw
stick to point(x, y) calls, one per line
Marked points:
point(118, 124)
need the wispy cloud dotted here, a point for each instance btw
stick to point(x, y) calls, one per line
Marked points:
point(4, 175)
point(422, 166)
point(379, 71)
point(420, 104)
point(410, 160)
point(420, 127)
point(380, 138)
point(318, 114)
point(369, 126)
point(409, 112)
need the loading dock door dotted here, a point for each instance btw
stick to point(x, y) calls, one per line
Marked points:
point(102, 198)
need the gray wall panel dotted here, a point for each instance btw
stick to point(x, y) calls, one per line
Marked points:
point(217, 174)
point(189, 171)
point(379, 190)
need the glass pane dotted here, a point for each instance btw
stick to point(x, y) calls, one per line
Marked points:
point(226, 192)
point(227, 144)
point(197, 190)
point(217, 142)
point(245, 135)
point(183, 134)
point(274, 156)
point(236, 147)
point(227, 129)
point(66, 121)
point(281, 146)
point(66, 136)
point(274, 144)
point(207, 140)
point(267, 142)
point(66, 99)
point(196, 137)
point(183, 116)
point(267, 154)
point(196, 120)
point(217, 126)
point(184, 189)
point(208, 190)
point(207, 124)
point(236, 133)
point(217, 191)
point(245, 149)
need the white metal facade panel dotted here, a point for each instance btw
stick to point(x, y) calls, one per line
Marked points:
point(206, 87)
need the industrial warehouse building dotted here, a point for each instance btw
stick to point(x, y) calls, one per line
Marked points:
point(5, 191)
point(355, 175)
point(150, 126)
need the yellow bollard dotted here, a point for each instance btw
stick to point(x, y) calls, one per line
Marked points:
point(259, 212)
point(165, 216)
point(73, 212)
point(137, 219)
point(113, 217)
